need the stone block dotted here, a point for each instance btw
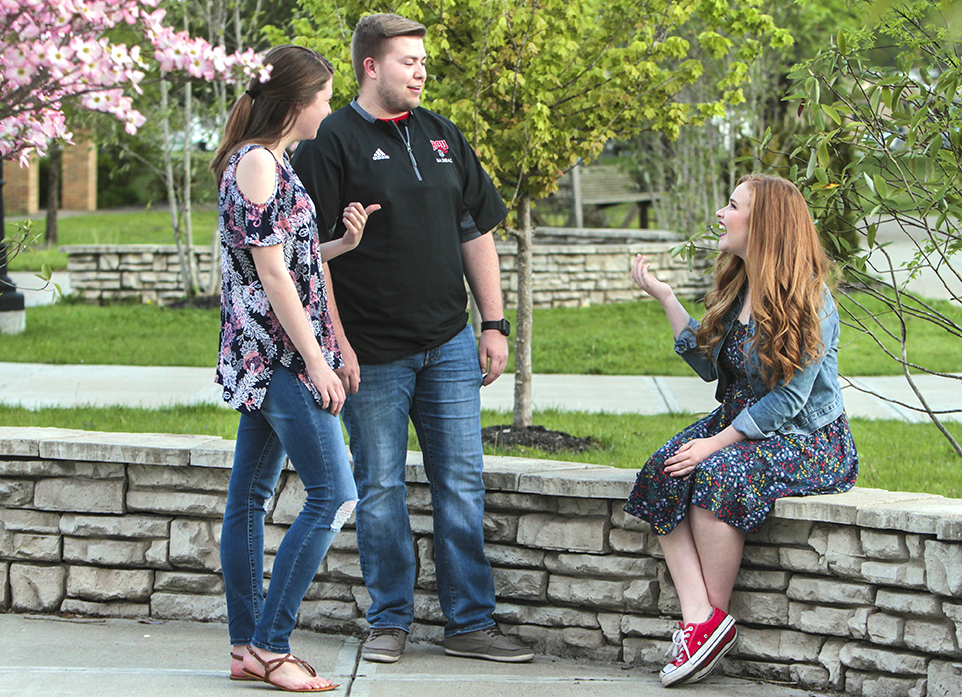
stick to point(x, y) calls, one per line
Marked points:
point(905, 574)
point(500, 527)
point(830, 591)
point(80, 495)
point(938, 638)
point(4, 585)
point(763, 580)
point(589, 593)
point(866, 657)
point(815, 619)
point(362, 598)
point(427, 571)
point(419, 498)
point(36, 588)
point(422, 524)
point(784, 532)
point(96, 552)
point(217, 454)
point(642, 595)
point(885, 629)
point(580, 506)
point(569, 534)
point(186, 582)
point(765, 557)
point(343, 567)
point(608, 566)
point(802, 560)
point(580, 637)
point(778, 645)
point(650, 627)
point(195, 544)
point(667, 595)
point(943, 568)
point(875, 685)
point(16, 492)
point(46, 469)
point(582, 481)
point(29, 547)
point(328, 590)
point(646, 653)
point(123, 610)
point(511, 556)
point(520, 584)
point(102, 585)
point(628, 541)
point(811, 677)
point(427, 608)
point(908, 602)
point(512, 501)
point(177, 503)
point(886, 546)
point(954, 613)
point(620, 519)
point(188, 607)
point(944, 679)
point(25, 520)
point(829, 658)
point(919, 516)
point(758, 607)
point(313, 614)
point(25, 442)
point(755, 670)
point(127, 448)
point(166, 478)
point(130, 527)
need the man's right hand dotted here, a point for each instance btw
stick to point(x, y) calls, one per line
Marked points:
point(350, 371)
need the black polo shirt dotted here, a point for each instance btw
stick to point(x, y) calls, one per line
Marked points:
point(401, 291)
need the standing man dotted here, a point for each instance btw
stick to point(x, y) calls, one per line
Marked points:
point(405, 341)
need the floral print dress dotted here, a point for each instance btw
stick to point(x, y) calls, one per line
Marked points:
point(252, 340)
point(741, 482)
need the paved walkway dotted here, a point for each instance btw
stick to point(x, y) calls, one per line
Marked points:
point(47, 655)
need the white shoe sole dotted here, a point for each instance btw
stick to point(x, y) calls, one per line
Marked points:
point(521, 658)
point(705, 658)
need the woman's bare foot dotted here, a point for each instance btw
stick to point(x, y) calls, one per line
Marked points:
point(288, 675)
point(237, 663)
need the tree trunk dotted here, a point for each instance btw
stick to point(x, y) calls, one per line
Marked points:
point(172, 199)
point(192, 272)
point(524, 321)
point(53, 193)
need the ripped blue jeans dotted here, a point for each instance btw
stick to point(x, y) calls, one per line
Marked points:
point(289, 424)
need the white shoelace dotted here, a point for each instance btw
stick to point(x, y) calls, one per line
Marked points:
point(679, 645)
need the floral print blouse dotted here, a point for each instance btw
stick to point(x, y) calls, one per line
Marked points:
point(252, 340)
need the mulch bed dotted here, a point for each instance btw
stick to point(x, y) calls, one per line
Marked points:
point(539, 437)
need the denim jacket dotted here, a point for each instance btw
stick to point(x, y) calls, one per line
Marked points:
point(810, 400)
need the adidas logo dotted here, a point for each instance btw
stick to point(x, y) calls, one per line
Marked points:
point(380, 155)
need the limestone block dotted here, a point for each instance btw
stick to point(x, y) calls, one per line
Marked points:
point(814, 590)
point(644, 652)
point(25, 442)
point(627, 541)
point(875, 685)
point(657, 627)
point(761, 556)
point(186, 582)
point(932, 637)
point(157, 555)
point(16, 492)
point(944, 679)
point(107, 552)
point(562, 643)
point(217, 454)
point(426, 634)
point(131, 527)
point(954, 613)
point(80, 495)
point(427, 571)
point(921, 516)
point(758, 579)
point(311, 611)
point(620, 519)
point(36, 588)
point(45, 469)
point(943, 567)
point(343, 566)
point(177, 503)
point(866, 657)
point(758, 607)
point(418, 498)
point(127, 448)
point(829, 657)
point(778, 645)
point(195, 544)
point(858, 625)
point(908, 602)
point(25, 520)
point(513, 501)
point(108, 262)
point(36, 547)
point(164, 478)
point(593, 593)
point(802, 560)
point(608, 566)
point(884, 545)
point(500, 527)
point(189, 607)
point(550, 616)
point(92, 583)
point(580, 637)
point(642, 595)
point(362, 598)
point(755, 670)
point(588, 481)
point(520, 584)
point(427, 608)
point(580, 507)
point(810, 677)
point(814, 619)
point(885, 629)
point(328, 590)
point(890, 573)
point(130, 611)
point(508, 555)
point(781, 531)
point(544, 531)
point(667, 595)
point(610, 623)
point(421, 524)
point(4, 586)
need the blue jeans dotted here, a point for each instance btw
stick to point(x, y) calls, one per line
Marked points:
point(289, 424)
point(439, 390)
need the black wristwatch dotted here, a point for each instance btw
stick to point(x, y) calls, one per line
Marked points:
point(502, 325)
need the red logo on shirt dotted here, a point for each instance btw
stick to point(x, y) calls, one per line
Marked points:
point(441, 146)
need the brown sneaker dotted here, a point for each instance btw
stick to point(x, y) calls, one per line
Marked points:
point(384, 645)
point(490, 644)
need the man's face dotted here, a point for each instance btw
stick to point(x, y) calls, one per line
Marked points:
point(401, 74)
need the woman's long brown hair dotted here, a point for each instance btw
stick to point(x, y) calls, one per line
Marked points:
point(786, 270)
point(266, 111)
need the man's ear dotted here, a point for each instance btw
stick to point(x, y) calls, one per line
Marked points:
point(370, 68)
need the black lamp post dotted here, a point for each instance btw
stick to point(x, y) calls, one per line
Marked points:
point(10, 300)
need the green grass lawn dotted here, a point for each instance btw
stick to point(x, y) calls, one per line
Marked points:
point(928, 465)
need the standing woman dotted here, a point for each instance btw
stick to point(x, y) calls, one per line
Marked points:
point(276, 363)
point(770, 339)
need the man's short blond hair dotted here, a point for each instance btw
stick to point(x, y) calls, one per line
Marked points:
point(371, 34)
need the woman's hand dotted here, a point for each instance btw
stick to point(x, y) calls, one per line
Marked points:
point(355, 218)
point(689, 456)
point(328, 386)
point(641, 274)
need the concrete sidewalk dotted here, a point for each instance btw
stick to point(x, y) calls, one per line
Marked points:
point(47, 655)
point(37, 385)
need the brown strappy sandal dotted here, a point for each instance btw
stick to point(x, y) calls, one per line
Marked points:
point(235, 676)
point(275, 663)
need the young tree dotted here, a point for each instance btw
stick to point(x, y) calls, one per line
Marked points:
point(537, 85)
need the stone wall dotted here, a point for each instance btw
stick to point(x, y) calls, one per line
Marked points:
point(570, 268)
point(860, 592)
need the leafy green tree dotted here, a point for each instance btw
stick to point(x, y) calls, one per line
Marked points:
point(537, 85)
